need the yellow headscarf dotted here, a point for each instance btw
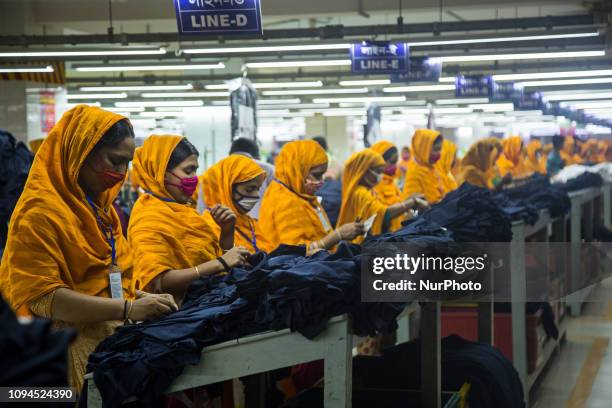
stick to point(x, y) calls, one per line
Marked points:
point(387, 190)
point(510, 161)
point(288, 215)
point(54, 240)
point(533, 164)
point(567, 153)
point(359, 202)
point(476, 163)
point(421, 176)
point(165, 235)
point(35, 144)
point(445, 165)
point(218, 182)
point(590, 151)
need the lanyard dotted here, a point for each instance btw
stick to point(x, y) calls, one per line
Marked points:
point(108, 234)
point(253, 239)
point(168, 200)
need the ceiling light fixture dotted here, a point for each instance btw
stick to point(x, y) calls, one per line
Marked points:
point(317, 91)
point(364, 82)
point(509, 57)
point(117, 110)
point(420, 88)
point(493, 107)
point(171, 67)
point(561, 82)
point(81, 53)
point(121, 95)
point(364, 99)
point(461, 101)
point(154, 104)
point(9, 70)
point(504, 39)
point(552, 75)
point(577, 96)
point(184, 94)
point(128, 88)
point(292, 101)
point(299, 64)
point(268, 48)
point(262, 85)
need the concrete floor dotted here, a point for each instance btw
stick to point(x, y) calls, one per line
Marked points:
point(580, 374)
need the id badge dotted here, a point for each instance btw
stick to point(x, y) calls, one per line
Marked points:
point(116, 287)
point(323, 219)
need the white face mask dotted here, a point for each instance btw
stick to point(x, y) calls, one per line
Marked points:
point(378, 176)
point(248, 203)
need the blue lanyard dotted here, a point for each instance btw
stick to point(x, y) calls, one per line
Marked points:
point(108, 234)
point(168, 200)
point(253, 239)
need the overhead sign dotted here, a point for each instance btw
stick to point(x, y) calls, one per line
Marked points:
point(474, 86)
point(420, 69)
point(507, 91)
point(218, 17)
point(529, 101)
point(379, 58)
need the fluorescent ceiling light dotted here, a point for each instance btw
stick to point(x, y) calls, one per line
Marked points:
point(262, 85)
point(127, 88)
point(461, 101)
point(365, 82)
point(552, 75)
point(268, 48)
point(48, 68)
point(361, 99)
point(122, 95)
point(347, 113)
point(589, 105)
point(577, 96)
point(184, 94)
point(278, 101)
point(116, 110)
point(168, 109)
point(81, 53)
point(420, 88)
point(170, 67)
point(384, 104)
point(504, 39)
point(453, 110)
point(274, 112)
point(72, 105)
point(447, 79)
point(493, 107)
point(160, 114)
point(153, 104)
point(508, 57)
point(298, 64)
point(317, 91)
point(560, 82)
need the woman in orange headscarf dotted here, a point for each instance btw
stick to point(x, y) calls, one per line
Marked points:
point(493, 175)
point(476, 163)
point(387, 190)
point(65, 239)
point(534, 163)
point(235, 182)
point(421, 176)
point(510, 162)
point(590, 151)
point(569, 154)
point(290, 212)
point(362, 172)
point(173, 245)
point(444, 166)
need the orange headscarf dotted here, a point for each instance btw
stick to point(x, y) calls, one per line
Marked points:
point(35, 144)
point(590, 151)
point(54, 240)
point(476, 163)
point(567, 153)
point(497, 147)
point(533, 164)
point(165, 235)
point(288, 214)
point(387, 191)
point(445, 165)
point(421, 176)
point(218, 182)
point(602, 149)
point(510, 161)
point(359, 202)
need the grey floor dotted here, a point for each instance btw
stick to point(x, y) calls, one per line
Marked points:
point(580, 374)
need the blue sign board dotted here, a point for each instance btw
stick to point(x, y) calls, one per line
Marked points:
point(530, 101)
point(507, 91)
point(379, 58)
point(480, 86)
point(420, 69)
point(218, 17)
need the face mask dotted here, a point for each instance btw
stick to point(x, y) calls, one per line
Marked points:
point(434, 157)
point(187, 185)
point(405, 156)
point(245, 203)
point(312, 187)
point(378, 176)
point(108, 178)
point(390, 170)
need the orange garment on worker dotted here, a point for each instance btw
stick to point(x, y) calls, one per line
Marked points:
point(165, 235)
point(54, 240)
point(288, 214)
point(602, 149)
point(387, 190)
point(567, 153)
point(358, 201)
point(218, 182)
point(590, 151)
point(493, 173)
point(35, 144)
point(421, 176)
point(444, 166)
point(534, 164)
point(510, 161)
point(476, 163)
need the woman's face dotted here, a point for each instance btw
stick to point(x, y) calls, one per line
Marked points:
point(372, 177)
point(436, 149)
point(187, 168)
point(248, 190)
point(314, 180)
point(103, 162)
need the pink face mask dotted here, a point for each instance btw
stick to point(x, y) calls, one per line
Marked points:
point(390, 170)
point(434, 157)
point(187, 185)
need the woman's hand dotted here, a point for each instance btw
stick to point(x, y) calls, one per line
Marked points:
point(351, 230)
point(237, 256)
point(224, 217)
point(149, 306)
point(417, 203)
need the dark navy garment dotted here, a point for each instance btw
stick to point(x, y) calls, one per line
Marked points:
point(331, 194)
point(585, 180)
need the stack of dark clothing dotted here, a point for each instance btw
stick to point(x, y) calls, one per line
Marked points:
point(33, 355)
point(283, 290)
point(331, 199)
point(527, 201)
point(585, 180)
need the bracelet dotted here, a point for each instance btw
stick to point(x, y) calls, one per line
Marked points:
point(127, 317)
point(125, 310)
point(338, 234)
point(197, 272)
point(226, 267)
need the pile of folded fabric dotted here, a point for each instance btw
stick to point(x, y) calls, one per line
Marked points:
point(584, 180)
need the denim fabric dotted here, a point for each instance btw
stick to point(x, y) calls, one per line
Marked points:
point(584, 180)
point(331, 194)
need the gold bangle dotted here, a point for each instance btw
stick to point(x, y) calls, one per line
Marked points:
point(197, 272)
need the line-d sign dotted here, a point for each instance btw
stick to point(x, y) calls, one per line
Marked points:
point(218, 17)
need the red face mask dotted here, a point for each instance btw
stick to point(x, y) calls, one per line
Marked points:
point(390, 170)
point(434, 157)
point(108, 178)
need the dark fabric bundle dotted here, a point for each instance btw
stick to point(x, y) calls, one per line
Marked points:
point(585, 180)
point(15, 162)
point(33, 355)
point(526, 202)
point(285, 289)
point(331, 194)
